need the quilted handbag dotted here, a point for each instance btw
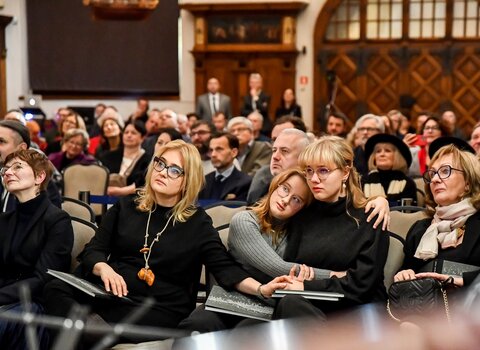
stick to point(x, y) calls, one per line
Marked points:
point(417, 297)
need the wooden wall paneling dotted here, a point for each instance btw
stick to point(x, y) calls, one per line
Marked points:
point(4, 21)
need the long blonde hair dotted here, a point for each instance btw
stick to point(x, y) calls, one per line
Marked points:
point(193, 181)
point(262, 209)
point(335, 150)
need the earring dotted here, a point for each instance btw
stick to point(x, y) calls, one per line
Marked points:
point(344, 184)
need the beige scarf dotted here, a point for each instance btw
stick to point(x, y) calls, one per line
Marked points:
point(443, 229)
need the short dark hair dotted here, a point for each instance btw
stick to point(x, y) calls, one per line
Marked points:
point(204, 122)
point(232, 139)
point(338, 115)
point(441, 124)
point(174, 133)
point(297, 122)
point(138, 125)
point(220, 113)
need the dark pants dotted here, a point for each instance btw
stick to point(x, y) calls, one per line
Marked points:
point(295, 306)
point(12, 335)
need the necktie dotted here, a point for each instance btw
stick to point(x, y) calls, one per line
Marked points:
point(214, 104)
point(219, 178)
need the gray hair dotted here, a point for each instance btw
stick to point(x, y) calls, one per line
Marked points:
point(240, 120)
point(75, 132)
point(303, 139)
point(378, 120)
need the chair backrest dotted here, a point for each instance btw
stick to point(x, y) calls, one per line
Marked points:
point(77, 208)
point(222, 212)
point(394, 259)
point(420, 198)
point(93, 178)
point(83, 231)
point(400, 222)
point(420, 183)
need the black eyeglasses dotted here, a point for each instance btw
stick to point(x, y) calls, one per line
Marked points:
point(173, 171)
point(443, 172)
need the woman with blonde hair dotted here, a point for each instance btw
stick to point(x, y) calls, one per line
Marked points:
point(333, 233)
point(154, 246)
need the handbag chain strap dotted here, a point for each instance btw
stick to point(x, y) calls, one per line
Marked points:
point(445, 302)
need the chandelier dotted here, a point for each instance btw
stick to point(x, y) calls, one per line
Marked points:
point(121, 9)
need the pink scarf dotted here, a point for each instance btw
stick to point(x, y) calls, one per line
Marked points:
point(443, 229)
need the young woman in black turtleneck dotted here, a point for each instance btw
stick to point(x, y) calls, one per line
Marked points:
point(35, 237)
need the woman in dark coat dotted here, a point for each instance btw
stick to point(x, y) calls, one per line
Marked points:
point(35, 237)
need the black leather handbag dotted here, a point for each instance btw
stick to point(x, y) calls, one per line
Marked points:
point(417, 297)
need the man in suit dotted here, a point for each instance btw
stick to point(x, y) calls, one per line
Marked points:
point(226, 182)
point(213, 101)
point(252, 154)
point(257, 100)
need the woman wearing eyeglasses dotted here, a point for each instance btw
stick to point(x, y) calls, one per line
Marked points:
point(451, 231)
point(35, 237)
point(332, 233)
point(154, 246)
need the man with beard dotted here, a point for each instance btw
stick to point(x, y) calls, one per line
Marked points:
point(201, 133)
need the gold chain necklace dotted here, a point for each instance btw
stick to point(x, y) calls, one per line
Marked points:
point(145, 274)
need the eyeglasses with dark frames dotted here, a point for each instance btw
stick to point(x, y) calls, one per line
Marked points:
point(443, 172)
point(173, 171)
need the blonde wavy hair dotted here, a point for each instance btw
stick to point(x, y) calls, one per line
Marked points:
point(462, 160)
point(399, 163)
point(334, 150)
point(262, 208)
point(193, 181)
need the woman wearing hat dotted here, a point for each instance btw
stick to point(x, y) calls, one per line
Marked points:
point(388, 161)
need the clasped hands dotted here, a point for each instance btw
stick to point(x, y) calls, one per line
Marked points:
point(406, 275)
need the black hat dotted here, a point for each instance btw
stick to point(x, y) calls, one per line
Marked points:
point(19, 128)
point(387, 138)
point(449, 140)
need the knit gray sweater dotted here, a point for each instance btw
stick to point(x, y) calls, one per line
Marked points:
point(256, 252)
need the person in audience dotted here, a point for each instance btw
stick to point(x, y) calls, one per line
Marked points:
point(257, 121)
point(226, 182)
point(287, 122)
point(388, 161)
point(165, 135)
point(337, 124)
point(451, 230)
point(475, 138)
point(15, 114)
point(141, 113)
point(70, 121)
point(220, 120)
point(334, 233)
point(201, 133)
point(154, 246)
point(127, 164)
point(35, 237)
point(75, 142)
point(192, 119)
point(288, 106)
point(257, 100)
point(14, 137)
point(396, 120)
point(213, 102)
point(432, 129)
point(252, 154)
point(111, 126)
point(182, 127)
point(449, 119)
point(365, 127)
point(94, 129)
point(388, 124)
point(153, 124)
point(168, 119)
point(35, 135)
point(286, 148)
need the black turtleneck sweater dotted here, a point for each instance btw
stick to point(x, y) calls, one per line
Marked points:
point(325, 236)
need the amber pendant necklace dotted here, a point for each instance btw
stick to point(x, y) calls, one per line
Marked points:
point(145, 274)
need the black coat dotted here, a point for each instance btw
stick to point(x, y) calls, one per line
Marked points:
point(46, 243)
point(237, 185)
point(466, 253)
point(262, 105)
point(113, 160)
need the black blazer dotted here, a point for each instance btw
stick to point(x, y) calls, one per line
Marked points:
point(113, 160)
point(45, 244)
point(235, 187)
point(262, 106)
